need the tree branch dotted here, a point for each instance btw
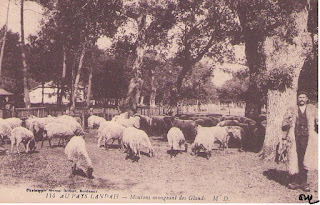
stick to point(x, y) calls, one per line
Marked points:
point(204, 51)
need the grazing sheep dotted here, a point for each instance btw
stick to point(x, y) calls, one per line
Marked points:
point(236, 134)
point(13, 122)
point(215, 120)
point(207, 136)
point(133, 140)
point(228, 123)
point(67, 118)
point(124, 115)
point(37, 125)
point(145, 123)
point(176, 140)
point(5, 130)
point(188, 127)
point(204, 140)
point(112, 132)
point(131, 122)
point(21, 134)
point(204, 121)
point(160, 125)
point(95, 121)
point(73, 124)
point(57, 130)
point(75, 152)
point(105, 124)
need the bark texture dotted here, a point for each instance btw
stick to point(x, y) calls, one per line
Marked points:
point(284, 55)
point(24, 61)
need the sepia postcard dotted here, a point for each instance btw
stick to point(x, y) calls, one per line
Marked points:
point(143, 101)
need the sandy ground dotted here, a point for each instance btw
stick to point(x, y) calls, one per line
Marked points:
point(227, 177)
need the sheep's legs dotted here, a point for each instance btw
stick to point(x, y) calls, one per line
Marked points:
point(12, 144)
point(42, 142)
point(73, 169)
point(49, 142)
point(17, 144)
point(26, 146)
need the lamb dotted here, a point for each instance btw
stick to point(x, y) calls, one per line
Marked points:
point(112, 132)
point(176, 140)
point(14, 122)
point(133, 139)
point(21, 134)
point(75, 152)
point(57, 130)
point(95, 121)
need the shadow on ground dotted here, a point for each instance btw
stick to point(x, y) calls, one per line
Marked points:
point(279, 176)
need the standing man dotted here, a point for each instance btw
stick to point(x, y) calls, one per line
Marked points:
point(302, 140)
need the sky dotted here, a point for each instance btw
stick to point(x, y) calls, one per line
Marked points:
point(33, 16)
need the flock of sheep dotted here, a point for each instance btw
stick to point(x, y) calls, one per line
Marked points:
point(132, 134)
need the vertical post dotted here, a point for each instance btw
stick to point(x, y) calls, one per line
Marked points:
point(104, 113)
point(83, 117)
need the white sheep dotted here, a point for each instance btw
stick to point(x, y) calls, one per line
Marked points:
point(73, 124)
point(176, 140)
point(120, 116)
point(222, 136)
point(5, 130)
point(112, 132)
point(131, 122)
point(37, 125)
point(76, 152)
point(57, 130)
point(14, 122)
point(21, 134)
point(133, 140)
point(205, 140)
point(95, 121)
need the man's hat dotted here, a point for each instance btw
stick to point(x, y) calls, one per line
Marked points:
point(302, 92)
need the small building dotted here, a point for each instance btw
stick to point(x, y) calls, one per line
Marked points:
point(48, 94)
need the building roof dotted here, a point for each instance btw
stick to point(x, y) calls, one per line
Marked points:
point(4, 92)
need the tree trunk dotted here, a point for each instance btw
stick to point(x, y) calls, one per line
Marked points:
point(24, 63)
point(63, 78)
point(89, 86)
point(285, 55)
point(42, 94)
point(256, 64)
point(153, 91)
point(277, 104)
point(134, 89)
point(77, 80)
point(4, 42)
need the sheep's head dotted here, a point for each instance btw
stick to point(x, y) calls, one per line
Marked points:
point(185, 147)
point(32, 146)
point(151, 152)
point(89, 172)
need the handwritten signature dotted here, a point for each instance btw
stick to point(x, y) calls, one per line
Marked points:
point(303, 197)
